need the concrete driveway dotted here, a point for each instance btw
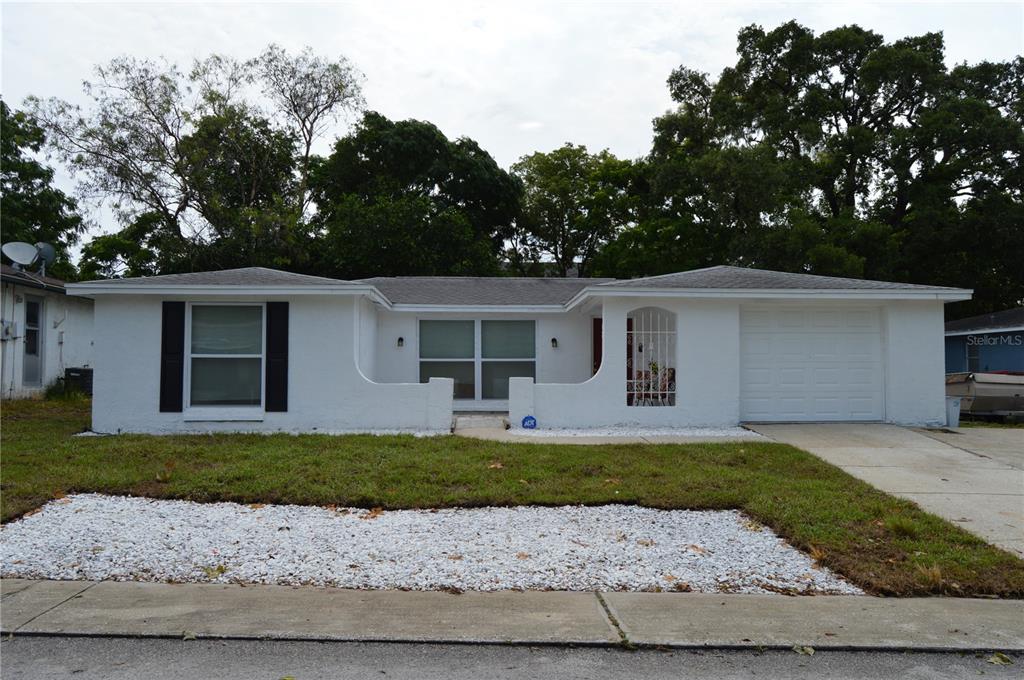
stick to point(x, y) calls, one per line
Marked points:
point(974, 477)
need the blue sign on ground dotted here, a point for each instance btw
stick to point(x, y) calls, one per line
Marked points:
point(530, 423)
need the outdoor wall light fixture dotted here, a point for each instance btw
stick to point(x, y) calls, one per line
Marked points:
point(554, 343)
point(401, 342)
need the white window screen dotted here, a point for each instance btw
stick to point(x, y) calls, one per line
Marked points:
point(226, 355)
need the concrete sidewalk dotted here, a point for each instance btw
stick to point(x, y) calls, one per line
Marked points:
point(684, 620)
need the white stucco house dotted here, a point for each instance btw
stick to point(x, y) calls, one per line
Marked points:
point(265, 350)
point(42, 332)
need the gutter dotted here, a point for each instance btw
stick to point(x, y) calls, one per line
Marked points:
point(103, 288)
point(30, 282)
point(985, 331)
point(945, 294)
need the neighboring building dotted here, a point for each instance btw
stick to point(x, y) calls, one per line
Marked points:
point(43, 331)
point(987, 343)
point(265, 350)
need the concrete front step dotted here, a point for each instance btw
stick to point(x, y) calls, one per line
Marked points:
point(478, 421)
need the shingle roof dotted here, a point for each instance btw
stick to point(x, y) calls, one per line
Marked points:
point(1008, 318)
point(509, 291)
point(762, 279)
point(246, 276)
point(30, 279)
point(472, 290)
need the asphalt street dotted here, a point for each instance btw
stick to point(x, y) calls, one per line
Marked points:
point(44, 658)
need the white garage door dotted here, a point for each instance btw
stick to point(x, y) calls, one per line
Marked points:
point(800, 364)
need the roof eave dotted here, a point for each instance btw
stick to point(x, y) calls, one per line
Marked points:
point(946, 295)
point(984, 331)
point(31, 283)
point(104, 288)
point(479, 309)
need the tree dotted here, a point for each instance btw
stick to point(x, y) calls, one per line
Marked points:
point(33, 209)
point(840, 154)
point(312, 92)
point(574, 202)
point(185, 155)
point(401, 198)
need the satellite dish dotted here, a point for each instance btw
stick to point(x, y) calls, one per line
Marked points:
point(47, 253)
point(21, 253)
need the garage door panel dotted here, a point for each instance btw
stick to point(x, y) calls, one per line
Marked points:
point(793, 377)
point(818, 365)
point(826, 320)
point(792, 319)
point(828, 377)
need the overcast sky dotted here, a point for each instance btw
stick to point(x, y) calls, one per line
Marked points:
point(516, 77)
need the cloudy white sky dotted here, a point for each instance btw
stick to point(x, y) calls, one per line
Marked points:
point(515, 76)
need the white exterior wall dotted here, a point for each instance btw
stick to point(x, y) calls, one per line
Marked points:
point(67, 338)
point(708, 369)
point(368, 339)
point(569, 362)
point(326, 390)
point(915, 362)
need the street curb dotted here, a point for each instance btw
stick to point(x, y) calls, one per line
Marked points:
point(625, 646)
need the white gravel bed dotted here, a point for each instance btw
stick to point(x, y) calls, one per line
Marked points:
point(612, 547)
point(639, 431)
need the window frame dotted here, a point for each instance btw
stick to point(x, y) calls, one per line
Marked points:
point(478, 359)
point(973, 359)
point(40, 329)
point(227, 411)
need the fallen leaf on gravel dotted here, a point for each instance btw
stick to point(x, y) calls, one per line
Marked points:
point(214, 572)
point(693, 547)
point(496, 465)
point(1000, 659)
point(372, 513)
point(682, 587)
point(806, 651)
point(455, 557)
point(257, 506)
point(645, 542)
point(522, 556)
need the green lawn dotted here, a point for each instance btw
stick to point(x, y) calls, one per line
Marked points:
point(883, 544)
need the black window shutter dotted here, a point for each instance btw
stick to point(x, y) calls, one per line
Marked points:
point(277, 357)
point(172, 357)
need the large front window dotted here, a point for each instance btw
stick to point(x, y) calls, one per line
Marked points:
point(226, 355)
point(480, 355)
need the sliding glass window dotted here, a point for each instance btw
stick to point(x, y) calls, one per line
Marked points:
point(447, 350)
point(508, 350)
point(479, 355)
